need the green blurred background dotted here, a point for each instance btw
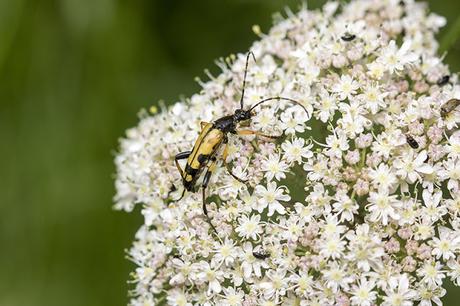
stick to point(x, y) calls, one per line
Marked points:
point(73, 75)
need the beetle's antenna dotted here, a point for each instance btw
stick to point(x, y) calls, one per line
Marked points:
point(279, 98)
point(245, 73)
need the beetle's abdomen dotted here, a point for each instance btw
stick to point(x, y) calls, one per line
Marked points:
point(205, 147)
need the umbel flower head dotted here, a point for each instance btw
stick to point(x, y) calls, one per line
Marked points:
point(357, 204)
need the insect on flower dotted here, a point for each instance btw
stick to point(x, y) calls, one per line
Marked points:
point(443, 80)
point(212, 136)
point(411, 141)
point(261, 254)
point(449, 106)
point(348, 37)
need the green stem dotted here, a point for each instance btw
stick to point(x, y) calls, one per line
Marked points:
point(363, 158)
point(297, 302)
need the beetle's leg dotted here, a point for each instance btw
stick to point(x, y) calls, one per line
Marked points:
point(257, 133)
point(182, 155)
point(224, 156)
point(203, 124)
point(206, 179)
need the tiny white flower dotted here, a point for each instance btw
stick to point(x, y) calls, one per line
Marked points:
point(383, 177)
point(410, 167)
point(332, 246)
point(293, 122)
point(336, 277)
point(176, 297)
point(454, 146)
point(226, 252)
point(431, 273)
point(398, 292)
point(336, 144)
point(274, 167)
point(346, 87)
point(249, 227)
point(210, 275)
point(363, 293)
point(345, 207)
point(382, 207)
point(447, 243)
point(376, 70)
point(327, 105)
point(430, 294)
point(275, 285)
point(332, 226)
point(270, 197)
point(454, 273)
point(395, 59)
point(373, 98)
point(296, 150)
point(452, 173)
point(433, 210)
point(302, 283)
point(232, 297)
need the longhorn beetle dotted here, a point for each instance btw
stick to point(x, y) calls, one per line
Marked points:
point(212, 136)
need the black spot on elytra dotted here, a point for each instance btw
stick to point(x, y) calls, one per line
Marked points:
point(190, 170)
point(202, 158)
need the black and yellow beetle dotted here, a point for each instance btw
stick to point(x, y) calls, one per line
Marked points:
point(212, 136)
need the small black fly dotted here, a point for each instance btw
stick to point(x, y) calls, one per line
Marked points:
point(411, 141)
point(443, 81)
point(348, 37)
point(262, 254)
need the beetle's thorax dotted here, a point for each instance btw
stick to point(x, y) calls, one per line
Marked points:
point(225, 124)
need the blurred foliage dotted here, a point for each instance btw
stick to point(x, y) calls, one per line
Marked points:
point(73, 75)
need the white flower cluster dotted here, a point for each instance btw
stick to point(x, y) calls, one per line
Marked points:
point(358, 202)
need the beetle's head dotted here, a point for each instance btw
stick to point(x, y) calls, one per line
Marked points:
point(241, 115)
